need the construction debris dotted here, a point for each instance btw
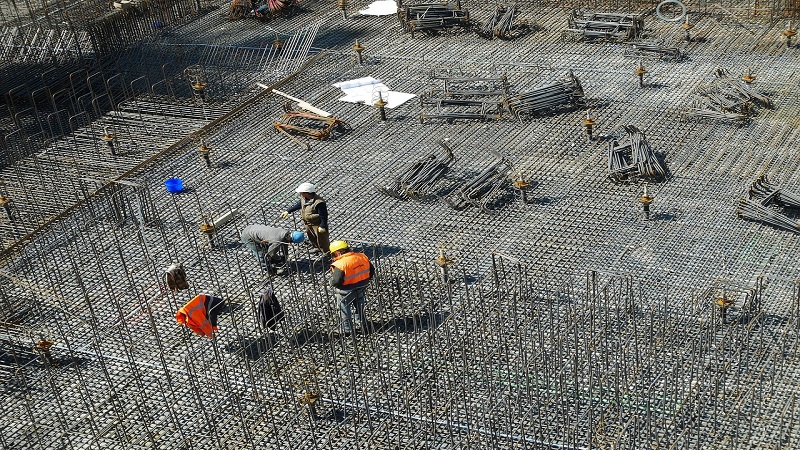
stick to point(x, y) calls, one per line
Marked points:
point(419, 179)
point(631, 157)
point(587, 25)
point(726, 98)
point(310, 125)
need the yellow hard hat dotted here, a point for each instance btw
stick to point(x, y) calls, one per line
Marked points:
point(338, 245)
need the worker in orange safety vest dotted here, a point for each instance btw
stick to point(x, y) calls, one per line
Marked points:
point(351, 272)
point(200, 314)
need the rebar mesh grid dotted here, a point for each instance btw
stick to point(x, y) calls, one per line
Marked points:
point(568, 322)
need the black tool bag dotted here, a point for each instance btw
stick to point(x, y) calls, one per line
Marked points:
point(175, 277)
point(269, 309)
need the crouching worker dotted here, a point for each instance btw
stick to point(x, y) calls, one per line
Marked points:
point(270, 246)
point(351, 272)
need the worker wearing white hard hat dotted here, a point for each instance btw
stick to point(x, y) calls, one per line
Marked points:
point(314, 213)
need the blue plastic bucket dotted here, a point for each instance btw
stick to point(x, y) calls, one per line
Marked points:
point(174, 185)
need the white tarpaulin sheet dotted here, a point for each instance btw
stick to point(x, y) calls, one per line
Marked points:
point(380, 8)
point(369, 90)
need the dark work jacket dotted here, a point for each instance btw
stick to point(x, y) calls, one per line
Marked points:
point(269, 309)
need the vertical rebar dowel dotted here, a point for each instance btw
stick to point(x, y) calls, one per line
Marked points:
point(359, 49)
point(381, 104)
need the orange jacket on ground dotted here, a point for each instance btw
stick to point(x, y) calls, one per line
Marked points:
point(200, 314)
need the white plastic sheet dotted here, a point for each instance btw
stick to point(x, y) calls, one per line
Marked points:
point(369, 90)
point(380, 8)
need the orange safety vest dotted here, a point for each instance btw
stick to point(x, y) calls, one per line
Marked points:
point(193, 315)
point(355, 267)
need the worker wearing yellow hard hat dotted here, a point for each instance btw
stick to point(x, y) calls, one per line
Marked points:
point(350, 274)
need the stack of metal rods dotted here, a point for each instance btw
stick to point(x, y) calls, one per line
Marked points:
point(419, 179)
point(756, 211)
point(632, 157)
point(545, 98)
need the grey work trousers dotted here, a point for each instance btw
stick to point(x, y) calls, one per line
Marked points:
point(350, 300)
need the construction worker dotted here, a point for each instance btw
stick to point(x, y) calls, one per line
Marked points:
point(314, 213)
point(270, 245)
point(351, 272)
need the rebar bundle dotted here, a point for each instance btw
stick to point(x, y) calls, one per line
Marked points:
point(481, 190)
point(757, 211)
point(433, 17)
point(653, 50)
point(767, 193)
point(726, 98)
point(762, 203)
point(501, 24)
point(590, 25)
point(631, 157)
point(567, 91)
point(473, 98)
point(419, 179)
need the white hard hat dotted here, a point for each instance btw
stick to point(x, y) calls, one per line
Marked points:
point(306, 187)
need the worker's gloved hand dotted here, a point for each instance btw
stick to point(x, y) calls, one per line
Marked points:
point(322, 230)
point(284, 214)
